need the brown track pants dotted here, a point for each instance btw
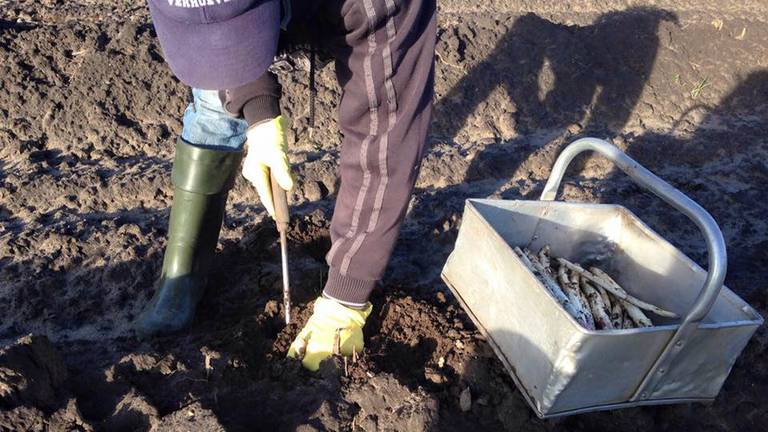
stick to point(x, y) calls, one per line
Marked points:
point(384, 53)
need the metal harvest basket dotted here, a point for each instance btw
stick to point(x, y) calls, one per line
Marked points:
point(560, 367)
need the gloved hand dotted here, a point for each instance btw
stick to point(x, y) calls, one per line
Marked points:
point(267, 150)
point(315, 341)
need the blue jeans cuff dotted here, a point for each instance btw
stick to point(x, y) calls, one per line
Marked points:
point(208, 124)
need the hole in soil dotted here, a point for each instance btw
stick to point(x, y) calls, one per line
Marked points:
point(406, 361)
point(52, 156)
point(17, 26)
point(102, 41)
point(123, 120)
point(97, 398)
point(317, 247)
point(129, 420)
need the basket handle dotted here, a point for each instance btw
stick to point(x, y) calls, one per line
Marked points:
point(717, 258)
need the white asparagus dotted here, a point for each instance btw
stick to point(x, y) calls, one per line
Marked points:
point(606, 298)
point(550, 284)
point(602, 320)
point(337, 342)
point(571, 288)
point(612, 308)
point(535, 266)
point(548, 280)
point(524, 258)
point(300, 347)
point(617, 314)
point(575, 277)
point(544, 257)
point(618, 293)
point(628, 324)
point(637, 315)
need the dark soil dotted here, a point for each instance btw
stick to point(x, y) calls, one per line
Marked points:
point(88, 116)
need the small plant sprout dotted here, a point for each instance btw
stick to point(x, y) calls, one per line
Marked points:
point(699, 87)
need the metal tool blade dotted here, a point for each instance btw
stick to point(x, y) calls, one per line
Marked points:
point(286, 278)
point(282, 219)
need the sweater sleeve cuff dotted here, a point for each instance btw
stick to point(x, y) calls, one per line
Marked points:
point(261, 108)
point(346, 290)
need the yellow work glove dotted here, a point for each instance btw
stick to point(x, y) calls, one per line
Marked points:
point(316, 340)
point(267, 150)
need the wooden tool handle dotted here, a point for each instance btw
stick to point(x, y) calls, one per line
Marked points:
point(280, 201)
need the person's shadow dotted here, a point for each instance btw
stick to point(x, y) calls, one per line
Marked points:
point(558, 75)
point(727, 154)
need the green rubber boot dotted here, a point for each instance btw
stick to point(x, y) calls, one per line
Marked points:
point(202, 179)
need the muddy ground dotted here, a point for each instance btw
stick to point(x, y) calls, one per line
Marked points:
point(88, 116)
